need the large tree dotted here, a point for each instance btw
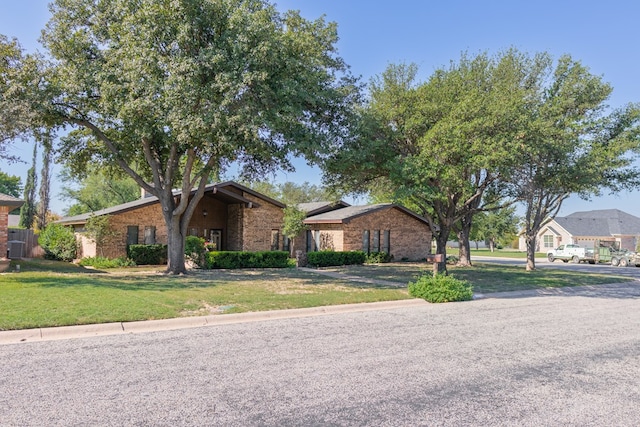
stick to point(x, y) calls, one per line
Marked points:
point(570, 144)
point(438, 146)
point(98, 189)
point(10, 184)
point(173, 91)
point(28, 209)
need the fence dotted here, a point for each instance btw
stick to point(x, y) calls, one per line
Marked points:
point(30, 248)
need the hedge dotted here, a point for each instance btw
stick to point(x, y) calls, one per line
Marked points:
point(148, 254)
point(332, 258)
point(237, 259)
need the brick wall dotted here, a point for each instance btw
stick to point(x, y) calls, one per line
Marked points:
point(257, 224)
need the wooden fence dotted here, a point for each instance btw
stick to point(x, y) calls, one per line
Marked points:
point(30, 247)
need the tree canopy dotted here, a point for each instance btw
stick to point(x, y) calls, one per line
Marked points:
point(174, 91)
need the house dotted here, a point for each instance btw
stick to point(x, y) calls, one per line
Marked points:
point(383, 227)
point(7, 204)
point(230, 216)
point(610, 227)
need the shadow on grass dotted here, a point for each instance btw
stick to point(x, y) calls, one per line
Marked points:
point(205, 279)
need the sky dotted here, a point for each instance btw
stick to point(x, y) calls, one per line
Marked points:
point(603, 35)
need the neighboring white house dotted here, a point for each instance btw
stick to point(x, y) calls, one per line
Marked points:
point(610, 227)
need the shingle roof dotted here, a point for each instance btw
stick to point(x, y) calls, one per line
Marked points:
point(7, 200)
point(345, 214)
point(218, 188)
point(606, 222)
point(315, 208)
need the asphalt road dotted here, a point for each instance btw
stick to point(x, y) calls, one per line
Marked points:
point(630, 271)
point(571, 359)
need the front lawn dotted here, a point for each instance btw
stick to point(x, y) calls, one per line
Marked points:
point(47, 293)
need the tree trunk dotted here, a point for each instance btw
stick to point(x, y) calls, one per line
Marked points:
point(175, 246)
point(464, 246)
point(492, 245)
point(530, 240)
point(441, 248)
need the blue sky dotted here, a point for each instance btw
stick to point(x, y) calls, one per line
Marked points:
point(603, 35)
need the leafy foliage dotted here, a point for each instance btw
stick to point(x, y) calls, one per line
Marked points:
point(441, 288)
point(58, 242)
point(104, 262)
point(147, 254)
point(99, 230)
point(377, 258)
point(237, 259)
point(194, 249)
point(28, 209)
point(331, 258)
point(10, 185)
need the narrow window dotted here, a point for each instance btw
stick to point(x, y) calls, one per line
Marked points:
point(365, 241)
point(150, 235)
point(286, 244)
point(132, 235)
point(275, 240)
point(386, 242)
point(376, 240)
point(310, 241)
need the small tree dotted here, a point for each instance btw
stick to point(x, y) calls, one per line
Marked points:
point(28, 209)
point(59, 242)
point(293, 224)
point(99, 230)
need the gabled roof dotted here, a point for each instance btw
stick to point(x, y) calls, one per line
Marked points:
point(346, 214)
point(315, 208)
point(219, 190)
point(599, 223)
point(7, 200)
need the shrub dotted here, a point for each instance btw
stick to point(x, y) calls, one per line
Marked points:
point(194, 249)
point(377, 258)
point(104, 262)
point(148, 254)
point(59, 242)
point(441, 288)
point(331, 258)
point(237, 259)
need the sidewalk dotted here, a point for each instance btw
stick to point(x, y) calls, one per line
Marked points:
point(118, 328)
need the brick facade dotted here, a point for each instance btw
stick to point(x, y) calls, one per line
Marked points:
point(4, 230)
point(242, 228)
point(409, 238)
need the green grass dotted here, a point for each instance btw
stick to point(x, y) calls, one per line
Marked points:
point(46, 294)
point(501, 253)
point(485, 278)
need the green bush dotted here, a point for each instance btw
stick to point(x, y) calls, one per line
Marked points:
point(104, 262)
point(148, 254)
point(59, 242)
point(377, 258)
point(441, 288)
point(331, 258)
point(236, 259)
point(195, 250)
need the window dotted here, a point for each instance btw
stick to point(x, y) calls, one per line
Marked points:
point(286, 244)
point(313, 240)
point(365, 241)
point(386, 242)
point(275, 240)
point(132, 235)
point(376, 240)
point(547, 240)
point(150, 235)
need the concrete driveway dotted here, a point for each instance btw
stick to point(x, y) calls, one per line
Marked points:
point(567, 359)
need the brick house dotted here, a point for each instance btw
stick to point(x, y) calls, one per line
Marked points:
point(371, 228)
point(7, 204)
point(607, 227)
point(230, 216)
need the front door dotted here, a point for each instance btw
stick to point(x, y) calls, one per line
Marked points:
point(215, 239)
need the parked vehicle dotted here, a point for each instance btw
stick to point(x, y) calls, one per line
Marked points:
point(568, 253)
point(625, 258)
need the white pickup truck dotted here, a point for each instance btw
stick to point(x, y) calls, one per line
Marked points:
point(572, 253)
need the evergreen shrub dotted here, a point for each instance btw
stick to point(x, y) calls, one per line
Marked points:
point(441, 288)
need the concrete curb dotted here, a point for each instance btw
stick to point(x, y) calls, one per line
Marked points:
point(137, 327)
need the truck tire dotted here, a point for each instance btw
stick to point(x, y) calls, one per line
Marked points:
point(624, 262)
point(576, 259)
point(550, 258)
point(615, 261)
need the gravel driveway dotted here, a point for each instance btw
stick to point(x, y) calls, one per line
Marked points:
point(568, 359)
